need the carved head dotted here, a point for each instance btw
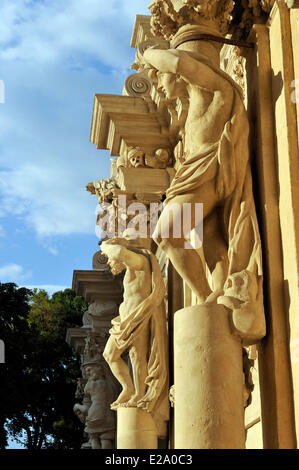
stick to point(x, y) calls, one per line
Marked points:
point(163, 155)
point(94, 371)
point(136, 157)
point(130, 239)
point(116, 266)
point(171, 85)
point(110, 249)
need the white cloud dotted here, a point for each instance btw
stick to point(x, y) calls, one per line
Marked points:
point(2, 232)
point(50, 199)
point(13, 272)
point(54, 56)
point(44, 31)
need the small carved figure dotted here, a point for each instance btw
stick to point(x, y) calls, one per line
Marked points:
point(160, 160)
point(136, 157)
point(95, 411)
point(140, 328)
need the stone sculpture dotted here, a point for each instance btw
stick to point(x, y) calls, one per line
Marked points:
point(161, 159)
point(95, 411)
point(140, 329)
point(215, 170)
point(103, 189)
point(135, 157)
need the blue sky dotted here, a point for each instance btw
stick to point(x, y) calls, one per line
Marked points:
point(54, 56)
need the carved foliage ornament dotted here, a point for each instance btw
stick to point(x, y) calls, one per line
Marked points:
point(246, 14)
point(104, 189)
point(169, 15)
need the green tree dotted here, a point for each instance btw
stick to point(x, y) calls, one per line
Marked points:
point(38, 380)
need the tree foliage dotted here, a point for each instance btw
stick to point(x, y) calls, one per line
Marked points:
point(38, 379)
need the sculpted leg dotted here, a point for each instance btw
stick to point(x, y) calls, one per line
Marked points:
point(106, 444)
point(189, 265)
point(216, 254)
point(192, 264)
point(120, 370)
point(95, 441)
point(138, 357)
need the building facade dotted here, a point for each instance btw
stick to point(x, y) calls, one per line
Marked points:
point(204, 351)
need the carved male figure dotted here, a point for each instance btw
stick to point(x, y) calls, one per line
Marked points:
point(140, 328)
point(95, 411)
point(215, 172)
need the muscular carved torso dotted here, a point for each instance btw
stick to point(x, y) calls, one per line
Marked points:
point(208, 113)
point(137, 287)
point(210, 94)
point(96, 389)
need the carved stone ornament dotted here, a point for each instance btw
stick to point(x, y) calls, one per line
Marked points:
point(248, 13)
point(234, 64)
point(79, 394)
point(135, 157)
point(137, 85)
point(168, 16)
point(225, 16)
point(103, 189)
point(94, 346)
point(99, 260)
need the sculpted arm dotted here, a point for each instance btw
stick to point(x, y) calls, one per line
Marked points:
point(181, 63)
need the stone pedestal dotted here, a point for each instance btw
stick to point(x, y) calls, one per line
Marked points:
point(135, 429)
point(208, 377)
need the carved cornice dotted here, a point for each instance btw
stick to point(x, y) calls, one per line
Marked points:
point(142, 30)
point(143, 38)
point(98, 286)
point(126, 121)
point(75, 338)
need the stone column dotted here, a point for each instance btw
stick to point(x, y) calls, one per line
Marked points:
point(136, 429)
point(274, 363)
point(208, 375)
point(284, 63)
